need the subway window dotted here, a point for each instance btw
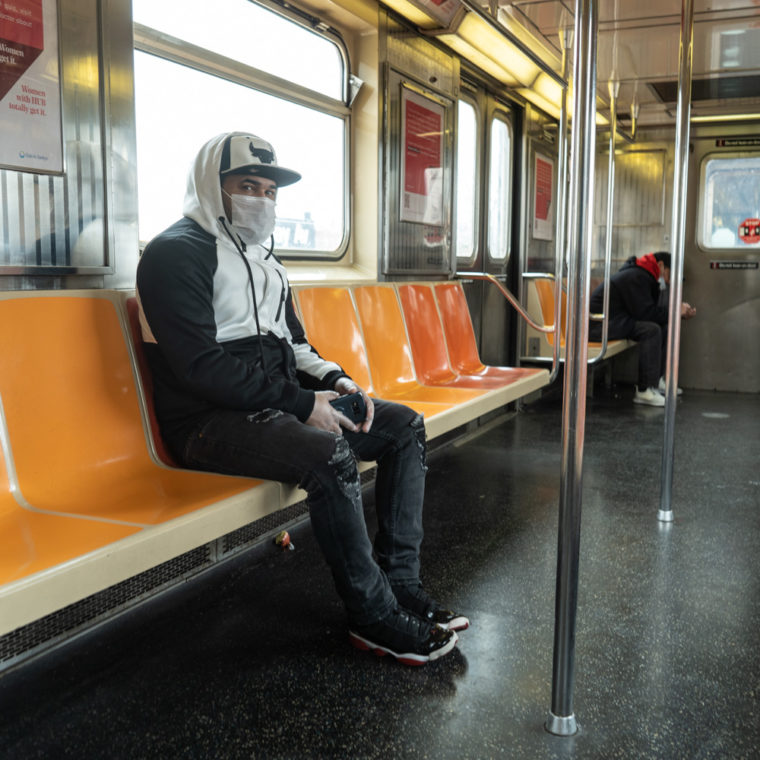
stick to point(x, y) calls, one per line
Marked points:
point(208, 78)
point(729, 201)
point(499, 190)
point(466, 224)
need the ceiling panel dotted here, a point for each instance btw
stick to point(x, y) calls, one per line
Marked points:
point(638, 42)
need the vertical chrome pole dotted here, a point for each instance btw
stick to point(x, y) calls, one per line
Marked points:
point(561, 719)
point(560, 223)
point(613, 87)
point(678, 225)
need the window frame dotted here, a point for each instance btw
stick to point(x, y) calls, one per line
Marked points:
point(504, 116)
point(174, 50)
point(467, 261)
point(702, 244)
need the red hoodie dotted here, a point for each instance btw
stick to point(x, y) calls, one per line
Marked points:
point(650, 263)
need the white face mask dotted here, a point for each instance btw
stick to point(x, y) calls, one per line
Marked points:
point(253, 217)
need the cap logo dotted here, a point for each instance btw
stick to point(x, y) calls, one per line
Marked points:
point(263, 155)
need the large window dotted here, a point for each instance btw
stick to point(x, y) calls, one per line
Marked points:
point(729, 197)
point(483, 199)
point(467, 145)
point(208, 78)
point(499, 189)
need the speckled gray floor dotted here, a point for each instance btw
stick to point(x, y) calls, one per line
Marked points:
point(251, 660)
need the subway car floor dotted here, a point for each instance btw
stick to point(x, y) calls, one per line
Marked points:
point(252, 660)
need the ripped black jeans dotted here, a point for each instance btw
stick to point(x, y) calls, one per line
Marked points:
point(274, 445)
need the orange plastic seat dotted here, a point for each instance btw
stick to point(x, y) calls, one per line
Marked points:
point(429, 347)
point(329, 319)
point(545, 293)
point(133, 315)
point(390, 355)
point(332, 325)
point(31, 542)
point(74, 420)
point(460, 338)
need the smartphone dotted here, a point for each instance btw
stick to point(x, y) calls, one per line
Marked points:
point(352, 406)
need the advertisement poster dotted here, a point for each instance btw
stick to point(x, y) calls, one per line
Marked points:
point(543, 211)
point(30, 99)
point(421, 159)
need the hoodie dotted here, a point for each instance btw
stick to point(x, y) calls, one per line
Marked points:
point(217, 317)
point(634, 297)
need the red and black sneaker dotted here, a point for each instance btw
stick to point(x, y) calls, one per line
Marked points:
point(405, 636)
point(416, 599)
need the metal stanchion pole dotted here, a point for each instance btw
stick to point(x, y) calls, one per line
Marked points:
point(560, 223)
point(561, 719)
point(680, 177)
point(613, 87)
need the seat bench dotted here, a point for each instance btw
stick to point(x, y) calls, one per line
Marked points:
point(88, 497)
point(412, 343)
point(539, 347)
point(85, 504)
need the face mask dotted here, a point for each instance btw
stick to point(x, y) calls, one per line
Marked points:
point(252, 217)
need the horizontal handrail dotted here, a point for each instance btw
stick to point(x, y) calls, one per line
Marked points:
point(594, 317)
point(508, 295)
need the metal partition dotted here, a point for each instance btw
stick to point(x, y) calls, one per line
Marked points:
point(55, 226)
point(416, 239)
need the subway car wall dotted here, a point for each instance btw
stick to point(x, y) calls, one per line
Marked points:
point(80, 228)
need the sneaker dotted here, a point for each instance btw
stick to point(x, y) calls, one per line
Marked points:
point(650, 397)
point(662, 387)
point(416, 599)
point(403, 635)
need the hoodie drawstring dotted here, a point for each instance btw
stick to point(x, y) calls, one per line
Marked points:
point(241, 251)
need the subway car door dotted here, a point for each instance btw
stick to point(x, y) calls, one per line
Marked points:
point(720, 349)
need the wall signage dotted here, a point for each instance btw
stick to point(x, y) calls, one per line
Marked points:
point(30, 97)
point(543, 200)
point(737, 142)
point(749, 231)
point(734, 264)
point(422, 159)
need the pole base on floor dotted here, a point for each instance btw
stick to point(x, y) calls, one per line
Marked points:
point(560, 726)
point(665, 515)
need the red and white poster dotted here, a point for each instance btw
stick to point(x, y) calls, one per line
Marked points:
point(543, 211)
point(421, 159)
point(30, 99)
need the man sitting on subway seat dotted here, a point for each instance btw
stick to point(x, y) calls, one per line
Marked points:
point(636, 312)
point(239, 390)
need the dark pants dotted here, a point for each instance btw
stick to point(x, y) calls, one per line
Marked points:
point(653, 342)
point(274, 445)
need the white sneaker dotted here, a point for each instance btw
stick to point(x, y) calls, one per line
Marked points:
point(662, 387)
point(650, 397)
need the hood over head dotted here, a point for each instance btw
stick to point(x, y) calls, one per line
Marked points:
point(648, 263)
point(225, 154)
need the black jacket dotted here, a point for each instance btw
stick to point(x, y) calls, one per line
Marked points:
point(217, 318)
point(634, 297)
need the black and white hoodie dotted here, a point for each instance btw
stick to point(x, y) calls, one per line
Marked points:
point(214, 335)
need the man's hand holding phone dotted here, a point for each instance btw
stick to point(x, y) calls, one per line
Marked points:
point(354, 400)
